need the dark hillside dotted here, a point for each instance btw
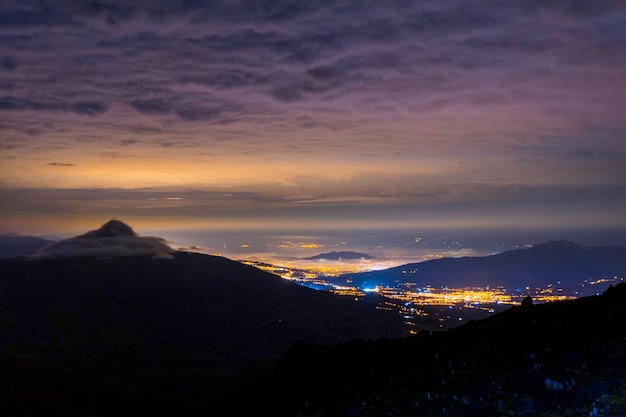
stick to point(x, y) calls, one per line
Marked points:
point(555, 359)
point(83, 335)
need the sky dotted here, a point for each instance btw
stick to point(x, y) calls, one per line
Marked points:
point(312, 115)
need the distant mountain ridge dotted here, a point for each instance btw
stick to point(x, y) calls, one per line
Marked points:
point(550, 262)
point(340, 255)
point(13, 245)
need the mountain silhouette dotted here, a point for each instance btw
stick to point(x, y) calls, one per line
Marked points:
point(112, 228)
point(13, 245)
point(561, 263)
point(114, 238)
point(338, 256)
point(119, 335)
point(562, 358)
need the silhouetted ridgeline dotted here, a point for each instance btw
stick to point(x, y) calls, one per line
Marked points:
point(544, 263)
point(13, 245)
point(563, 358)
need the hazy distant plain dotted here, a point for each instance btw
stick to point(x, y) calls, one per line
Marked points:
point(389, 247)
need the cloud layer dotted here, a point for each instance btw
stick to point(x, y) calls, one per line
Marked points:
point(312, 101)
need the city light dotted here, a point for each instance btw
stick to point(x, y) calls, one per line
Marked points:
point(320, 276)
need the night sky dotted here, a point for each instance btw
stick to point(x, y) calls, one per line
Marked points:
point(312, 114)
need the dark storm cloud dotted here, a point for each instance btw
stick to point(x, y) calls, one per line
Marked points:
point(87, 108)
point(198, 112)
point(9, 63)
point(576, 8)
point(427, 15)
point(60, 164)
point(154, 106)
point(227, 78)
point(17, 104)
point(23, 14)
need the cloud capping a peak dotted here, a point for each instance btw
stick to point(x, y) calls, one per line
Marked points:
point(113, 239)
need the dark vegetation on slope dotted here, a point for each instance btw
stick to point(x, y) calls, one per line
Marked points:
point(564, 358)
point(112, 336)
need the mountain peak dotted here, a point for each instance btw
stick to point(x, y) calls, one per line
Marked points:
point(339, 256)
point(113, 239)
point(112, 228)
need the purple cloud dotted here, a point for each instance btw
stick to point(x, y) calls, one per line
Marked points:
point(343, 96)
